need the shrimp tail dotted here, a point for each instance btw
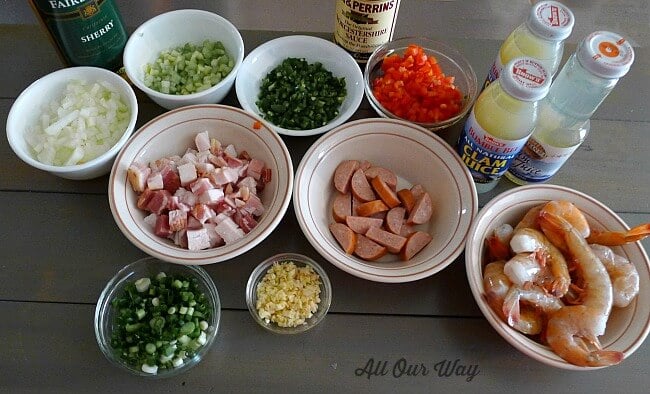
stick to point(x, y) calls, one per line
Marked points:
point(497, 249)
point(616, 238)
point(510, 308)
point(570, 335)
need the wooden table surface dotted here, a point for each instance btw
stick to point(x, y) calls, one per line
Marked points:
point(59, 245)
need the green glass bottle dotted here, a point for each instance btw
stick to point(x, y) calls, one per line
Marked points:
point(84, 32)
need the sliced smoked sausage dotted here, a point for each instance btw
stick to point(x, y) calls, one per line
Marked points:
point(344, 236)
point(414, 243)
point(343, 175)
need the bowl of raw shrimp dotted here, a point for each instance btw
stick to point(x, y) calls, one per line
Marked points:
point(560, 276)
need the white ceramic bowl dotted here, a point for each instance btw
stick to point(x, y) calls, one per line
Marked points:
point(26, 111)
point(417, 157)
point(175, 28)
point(267, 56)
point(171, 134)
point(627, 327)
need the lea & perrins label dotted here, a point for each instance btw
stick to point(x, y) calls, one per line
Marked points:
point(362, 26)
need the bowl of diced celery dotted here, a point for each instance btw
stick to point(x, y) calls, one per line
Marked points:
point(184, 57)
point(157, 319)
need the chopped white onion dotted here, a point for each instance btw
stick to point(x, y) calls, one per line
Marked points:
point(84, 123)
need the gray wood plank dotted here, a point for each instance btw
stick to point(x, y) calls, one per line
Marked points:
point(74, 247)
point(52, 348)
point(65, 247)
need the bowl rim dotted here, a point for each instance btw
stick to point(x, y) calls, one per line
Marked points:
point(127, 273)
point(179, 98)
point(212, 255)
point(70, 74)
point(439, 48)
point(513, 337)
point(300, 259)
point(336, 50)
point(397, 275)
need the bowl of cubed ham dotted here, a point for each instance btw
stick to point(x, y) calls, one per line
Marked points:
point(201, 184)
point(385, 200)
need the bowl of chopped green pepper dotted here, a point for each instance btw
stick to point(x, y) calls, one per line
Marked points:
point(302, 85)
point(157, 319)
point(184, 57)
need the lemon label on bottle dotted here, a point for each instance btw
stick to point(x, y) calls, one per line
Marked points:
point(487, 157)
point(539, 161)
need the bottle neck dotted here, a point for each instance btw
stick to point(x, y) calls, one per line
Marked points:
point(578, 93)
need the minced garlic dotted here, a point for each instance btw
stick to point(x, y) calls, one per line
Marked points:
point(287, 295)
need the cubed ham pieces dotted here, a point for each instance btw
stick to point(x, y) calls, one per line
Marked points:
point(171, 180)
point(159, 201)
point(198, 239)
point(202, 141)
point(203, 199)
point(200, 186)
point(211, 196)
point(155, 181)
point(202, 213)
point(255, 168)
point(229, 231)
point(187, 173)
point(137, 176)
point(162, 226)
point(177, 220)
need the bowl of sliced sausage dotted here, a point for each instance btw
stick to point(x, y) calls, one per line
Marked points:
point(384, 200)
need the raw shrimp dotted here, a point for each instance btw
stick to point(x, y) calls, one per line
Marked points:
point(530, 218)
point(530, 240)
point(534, 296)
point(616, 238)
point(569, 212)
point(623, 274)
point(523, 268)
point(496, 285)
point(497, 243)
point(572, 332)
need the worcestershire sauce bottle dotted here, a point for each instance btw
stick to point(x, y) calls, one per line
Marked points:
point(84, 32)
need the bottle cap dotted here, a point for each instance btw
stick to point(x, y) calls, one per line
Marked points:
point(550, 20)
point(525, 78)
point(605, 54)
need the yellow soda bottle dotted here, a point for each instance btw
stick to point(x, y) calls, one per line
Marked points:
point(502, 120)
point(541, 37)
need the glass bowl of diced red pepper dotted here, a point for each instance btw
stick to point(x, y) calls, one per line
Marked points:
point(420, 80)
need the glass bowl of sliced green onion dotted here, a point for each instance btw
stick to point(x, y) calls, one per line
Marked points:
point(157, 319)
point(184, 57)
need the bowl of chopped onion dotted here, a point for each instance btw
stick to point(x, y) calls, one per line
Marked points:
point(420, 80)
point(73, 122)
point(288, 293)
point(184, 57)
point(157, 319)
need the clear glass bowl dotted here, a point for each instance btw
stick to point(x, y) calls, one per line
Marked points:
point(451, 61)
point(300, 261)
point(147, 267)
